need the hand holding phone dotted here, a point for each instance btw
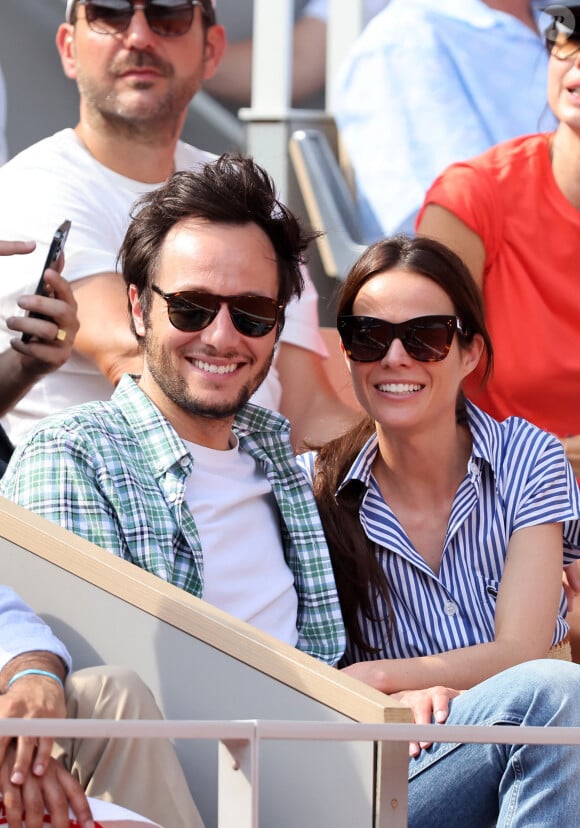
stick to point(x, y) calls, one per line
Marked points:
point(54, 252)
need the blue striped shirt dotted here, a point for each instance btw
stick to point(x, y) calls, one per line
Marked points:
point(517, 476)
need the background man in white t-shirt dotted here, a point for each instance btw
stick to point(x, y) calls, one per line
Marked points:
point(136, 79)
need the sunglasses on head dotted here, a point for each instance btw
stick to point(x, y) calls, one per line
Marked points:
point(563, 48)
point(425, 338)
point(194, 310)
point(168, 18)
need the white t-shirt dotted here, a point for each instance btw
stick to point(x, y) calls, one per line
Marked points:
point(56, 179)
point(237, 518)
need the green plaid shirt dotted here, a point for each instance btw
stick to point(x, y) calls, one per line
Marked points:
point(115, 473)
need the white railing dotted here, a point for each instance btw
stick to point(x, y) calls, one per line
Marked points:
point(239, 742)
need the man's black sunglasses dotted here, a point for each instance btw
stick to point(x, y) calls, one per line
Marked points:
point(194, 310)
point(425, 338)
point(168, 18)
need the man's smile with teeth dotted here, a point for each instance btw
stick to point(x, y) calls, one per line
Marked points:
point(400, 387)
point(214, 369)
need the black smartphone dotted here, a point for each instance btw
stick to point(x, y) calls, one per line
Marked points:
point(54, 251)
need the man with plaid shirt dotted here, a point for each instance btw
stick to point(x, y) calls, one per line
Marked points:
point(178, 473)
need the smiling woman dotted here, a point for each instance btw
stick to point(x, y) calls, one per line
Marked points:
point(442, 523)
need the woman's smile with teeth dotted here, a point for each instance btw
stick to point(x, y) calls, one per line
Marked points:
point(214, 369)
point(400, 387)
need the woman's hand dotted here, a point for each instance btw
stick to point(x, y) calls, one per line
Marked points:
point(428, 706)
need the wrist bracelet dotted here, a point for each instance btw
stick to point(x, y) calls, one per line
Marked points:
point(35, 672)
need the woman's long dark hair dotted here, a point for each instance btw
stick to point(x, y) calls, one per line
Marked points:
point(359, 576)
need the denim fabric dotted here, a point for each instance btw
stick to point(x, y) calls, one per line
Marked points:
point(511, 786)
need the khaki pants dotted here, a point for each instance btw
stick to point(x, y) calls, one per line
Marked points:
point(143, 775)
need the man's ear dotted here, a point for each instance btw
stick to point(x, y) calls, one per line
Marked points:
point(215, 44)
point(66, 49)
point(136, 311)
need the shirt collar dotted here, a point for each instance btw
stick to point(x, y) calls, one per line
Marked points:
point(486, 436)
point(161, 443)
point(252, 419)
point(158, 440)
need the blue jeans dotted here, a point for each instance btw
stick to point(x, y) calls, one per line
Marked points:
point(472, 785)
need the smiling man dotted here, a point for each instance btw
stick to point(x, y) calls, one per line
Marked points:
point(178, 473)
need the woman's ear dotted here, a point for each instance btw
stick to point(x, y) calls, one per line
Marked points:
point(136, 310)
point(471, 354)
point(345, 356)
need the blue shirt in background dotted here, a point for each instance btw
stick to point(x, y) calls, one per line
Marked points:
point(428, 83)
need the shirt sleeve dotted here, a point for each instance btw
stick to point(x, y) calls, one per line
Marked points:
point(22, 631)
point(471, 194)
point(57, 475)
point(544, 490)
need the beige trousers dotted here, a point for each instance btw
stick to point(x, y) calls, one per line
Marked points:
point(141, 774)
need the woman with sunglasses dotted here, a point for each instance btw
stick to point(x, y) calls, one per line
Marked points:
point(513, 215)
point(445, 532)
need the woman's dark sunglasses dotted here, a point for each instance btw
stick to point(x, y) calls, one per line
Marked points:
point(168, 18)
point(425, 338)
point(194, 310)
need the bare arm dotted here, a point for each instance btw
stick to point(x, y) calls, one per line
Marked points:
point(105, 336)
point(526, 611)
point(309, 401)
point(444, 226)
point(233, 79)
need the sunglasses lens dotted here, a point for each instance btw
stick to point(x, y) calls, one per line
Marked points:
point(109, 16)
point(365, 339)
point(169, 19)
point(192, 312)
point(253, 315)
point(428, 340)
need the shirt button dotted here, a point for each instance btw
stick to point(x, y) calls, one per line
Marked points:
point(450, 608)
point(172, 497)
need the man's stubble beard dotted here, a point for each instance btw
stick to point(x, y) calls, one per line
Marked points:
point(175, 388)
point(150, 120)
